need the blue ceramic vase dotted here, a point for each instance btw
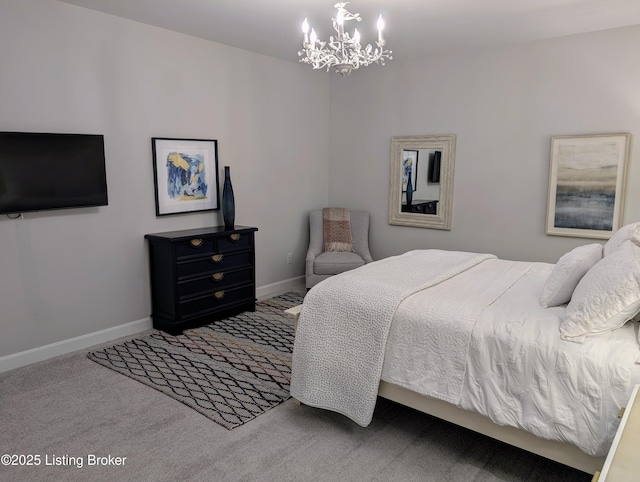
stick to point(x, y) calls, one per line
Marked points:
point(228, 202)
point(409, 191)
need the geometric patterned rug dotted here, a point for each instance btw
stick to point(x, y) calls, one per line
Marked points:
point(231, 370)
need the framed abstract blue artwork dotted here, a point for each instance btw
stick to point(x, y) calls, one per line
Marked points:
point(185, 175)
point(409, 168)
point(587, 185)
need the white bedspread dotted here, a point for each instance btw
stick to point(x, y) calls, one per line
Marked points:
point(431, 359)
point(519, 372)
point(344, 323)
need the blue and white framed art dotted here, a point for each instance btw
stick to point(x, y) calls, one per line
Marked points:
point(586, 185)
point(185, 175)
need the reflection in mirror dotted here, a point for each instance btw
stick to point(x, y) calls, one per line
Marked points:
point(421, 180)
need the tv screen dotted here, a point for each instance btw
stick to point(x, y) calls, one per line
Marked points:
point(434, 167)
point(51, 171)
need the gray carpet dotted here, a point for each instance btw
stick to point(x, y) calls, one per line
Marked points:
point(71, 406)
point(231, 370)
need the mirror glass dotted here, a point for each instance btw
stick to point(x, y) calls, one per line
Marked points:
point(421, 181)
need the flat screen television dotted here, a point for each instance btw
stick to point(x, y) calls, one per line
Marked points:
point(433, 173)
point(41, 171)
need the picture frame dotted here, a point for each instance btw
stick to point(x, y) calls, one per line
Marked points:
point(185, 173)
point(587, 175)
point(409, 166)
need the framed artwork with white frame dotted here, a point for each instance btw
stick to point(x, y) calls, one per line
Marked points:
point(587, 185)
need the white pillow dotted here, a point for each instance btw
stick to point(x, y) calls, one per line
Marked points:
point(629, 232)
point(567, 272)
point(606, 297)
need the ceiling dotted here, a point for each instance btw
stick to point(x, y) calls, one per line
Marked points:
point(413, 27)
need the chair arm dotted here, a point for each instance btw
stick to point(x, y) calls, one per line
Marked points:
point(312, 254)
point(316, 239)
point(364, 253)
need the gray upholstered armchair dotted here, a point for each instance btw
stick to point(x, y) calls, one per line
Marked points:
point(321, 265)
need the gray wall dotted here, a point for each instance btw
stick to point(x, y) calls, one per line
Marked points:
point(68, 69)
point(504, 104)
point(65, 274)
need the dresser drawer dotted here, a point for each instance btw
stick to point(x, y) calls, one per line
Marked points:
point(234, 242)
point(217, 300)
point(215, 281)
point(195, 246)
point(213, 263)
point(426, 208)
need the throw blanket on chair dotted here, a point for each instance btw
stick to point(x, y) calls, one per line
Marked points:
point(336, 227)
point(344, 323)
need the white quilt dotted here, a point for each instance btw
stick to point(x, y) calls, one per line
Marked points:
point(343, 327)
point(431, 359)
point(518, 372)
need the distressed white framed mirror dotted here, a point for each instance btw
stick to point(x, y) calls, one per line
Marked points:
point(421, 181)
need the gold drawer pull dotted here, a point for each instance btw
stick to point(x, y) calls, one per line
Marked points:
point(216, 258)
point(219, 295)
point(218, 276)
point(196, 243)
point(234, 237)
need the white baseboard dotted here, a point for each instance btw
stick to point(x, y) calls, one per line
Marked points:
point(63, 347)
point(273, 289)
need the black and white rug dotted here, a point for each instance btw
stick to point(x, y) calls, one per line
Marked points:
point(231, 370)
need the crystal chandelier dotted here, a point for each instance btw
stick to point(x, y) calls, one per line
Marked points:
point(342, 52)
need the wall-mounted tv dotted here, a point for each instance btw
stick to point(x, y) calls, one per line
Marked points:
point(41, 171)
point(433, 174)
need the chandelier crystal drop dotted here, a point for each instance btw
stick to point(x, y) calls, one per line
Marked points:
point(343, 52)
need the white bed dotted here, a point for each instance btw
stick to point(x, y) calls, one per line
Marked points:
point(469, 343)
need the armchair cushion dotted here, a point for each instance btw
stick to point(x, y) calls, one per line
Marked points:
point(335, 262)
